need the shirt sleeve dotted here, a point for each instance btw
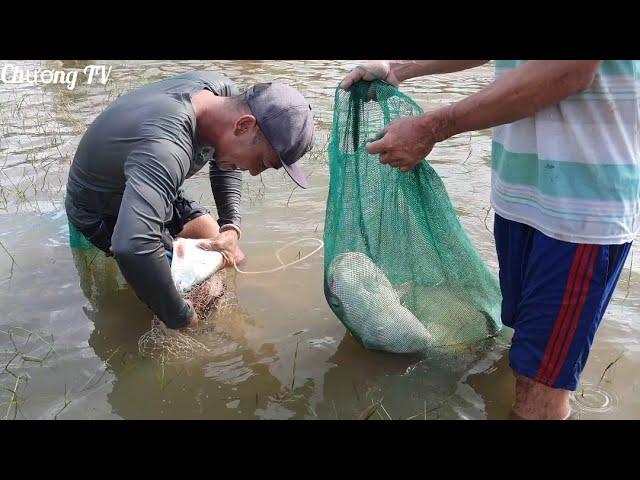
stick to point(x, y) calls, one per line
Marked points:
point(227, 193)
point(153, 173)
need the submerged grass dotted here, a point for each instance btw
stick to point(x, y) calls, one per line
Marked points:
point(608, 367)
point(40, 132)
point(9, 372)
point(38, 174)
point(14, 375)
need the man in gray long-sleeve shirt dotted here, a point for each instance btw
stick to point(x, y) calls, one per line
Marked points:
point(124, 189)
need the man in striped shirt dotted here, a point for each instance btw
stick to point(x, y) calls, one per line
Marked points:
point(566, 191)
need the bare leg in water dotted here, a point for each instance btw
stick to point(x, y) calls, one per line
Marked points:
point(536, 401)
point(205, 227)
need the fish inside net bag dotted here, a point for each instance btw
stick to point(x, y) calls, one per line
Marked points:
point(399, 270)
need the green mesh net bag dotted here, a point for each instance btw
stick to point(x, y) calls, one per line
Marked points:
point(399, 270)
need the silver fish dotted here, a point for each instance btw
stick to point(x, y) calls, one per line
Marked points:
point(192, 265)
point(370, 307)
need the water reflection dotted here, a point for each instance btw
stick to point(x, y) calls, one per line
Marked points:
point(280, 352)
point(144, 388)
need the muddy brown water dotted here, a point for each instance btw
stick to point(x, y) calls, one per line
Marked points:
point(70, 325)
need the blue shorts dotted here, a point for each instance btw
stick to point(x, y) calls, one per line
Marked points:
point(554, 295)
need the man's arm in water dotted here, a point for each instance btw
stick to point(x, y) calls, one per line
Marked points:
point(153, 176)
point(519, 94)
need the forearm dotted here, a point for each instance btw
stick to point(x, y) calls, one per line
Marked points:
point(227, 193)
point(149, 275)
point(406, 69)
point(138, 248)
point(516, 95)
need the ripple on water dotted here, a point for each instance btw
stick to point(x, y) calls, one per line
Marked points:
point(593, 398)
point(231, 371)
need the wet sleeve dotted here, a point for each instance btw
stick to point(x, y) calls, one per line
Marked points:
point(218, 83)
point(152, 177)
point(227, 192)
point(226, 87)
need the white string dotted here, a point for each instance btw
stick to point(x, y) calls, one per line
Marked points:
point(282, 264)
point(167, 345)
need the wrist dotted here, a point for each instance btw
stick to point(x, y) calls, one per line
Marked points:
point(392, 76)
point(189, 315)
point(405, 69)
point(440, 124)
point(231, 226)
point(401, 70)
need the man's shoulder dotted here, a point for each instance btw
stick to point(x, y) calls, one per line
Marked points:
point(217, 82)
point(142, 100)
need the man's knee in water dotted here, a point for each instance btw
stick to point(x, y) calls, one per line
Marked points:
point(203, 226)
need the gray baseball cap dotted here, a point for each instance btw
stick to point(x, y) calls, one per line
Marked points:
point(286, 120)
